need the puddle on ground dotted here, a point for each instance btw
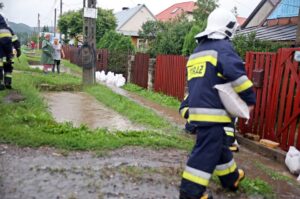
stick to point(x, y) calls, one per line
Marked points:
point(80, 108)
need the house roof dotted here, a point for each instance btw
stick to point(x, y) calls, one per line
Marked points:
point(176, 10)
point(286, 8)
point(274, 33)
point(125, 15)
point(241, 20)
point(274, 3)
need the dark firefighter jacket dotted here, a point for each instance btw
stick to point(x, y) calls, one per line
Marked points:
point(214, 62)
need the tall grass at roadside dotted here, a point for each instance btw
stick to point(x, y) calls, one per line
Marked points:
point(159, 98)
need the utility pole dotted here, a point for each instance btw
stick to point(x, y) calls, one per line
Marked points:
point(55, 22)
point(38, 36)
point(88, 50)
point(60, 17)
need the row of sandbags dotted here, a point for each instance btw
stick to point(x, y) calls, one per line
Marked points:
point(110, 78)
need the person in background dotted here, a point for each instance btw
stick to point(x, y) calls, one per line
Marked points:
point(47, 54)
point(8, 41)
point(58, 53)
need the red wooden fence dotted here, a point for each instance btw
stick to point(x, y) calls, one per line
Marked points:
point(277, 111)
point(139, 74)
point(170, 75)
point(102, 59)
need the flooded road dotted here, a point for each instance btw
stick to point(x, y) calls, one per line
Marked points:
point(80, 108)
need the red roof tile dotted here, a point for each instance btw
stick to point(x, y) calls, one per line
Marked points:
point(176, 10)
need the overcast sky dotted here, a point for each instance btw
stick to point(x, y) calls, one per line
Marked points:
point(26, 11)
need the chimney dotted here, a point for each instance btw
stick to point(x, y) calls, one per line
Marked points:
point(125, 8)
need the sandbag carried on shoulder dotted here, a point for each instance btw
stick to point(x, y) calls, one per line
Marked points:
point(232, 102)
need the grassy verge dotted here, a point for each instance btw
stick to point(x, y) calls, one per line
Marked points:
point(128, 108)
point(159, 98)
point(28, 123)
point(73, 67)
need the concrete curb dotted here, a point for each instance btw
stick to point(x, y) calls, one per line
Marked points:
point(274, 154)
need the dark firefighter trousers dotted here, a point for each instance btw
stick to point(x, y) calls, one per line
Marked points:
point(209, 155)
point(5, 60)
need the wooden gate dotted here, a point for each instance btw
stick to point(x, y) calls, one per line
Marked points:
point(170, 75)
point(140, 70)
point(277, 111)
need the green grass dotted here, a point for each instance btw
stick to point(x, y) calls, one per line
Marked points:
point(128, 108)
point(257, 187)
point(252, 187)
point(73, 67)
point(273, 174)
point(159, 98)
point(28, 123)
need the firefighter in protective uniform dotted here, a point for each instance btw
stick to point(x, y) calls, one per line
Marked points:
point(214, 61)
point(8, 40)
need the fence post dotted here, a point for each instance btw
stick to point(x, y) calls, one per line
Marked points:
point(129, 69)
point(152, 62)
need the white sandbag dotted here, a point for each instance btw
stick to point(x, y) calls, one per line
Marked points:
point(232, 102)
point(102, 76)
point(110, 78)
point(292, 160)
point(120, 80)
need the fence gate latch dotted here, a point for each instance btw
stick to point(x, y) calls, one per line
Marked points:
point(258, 77)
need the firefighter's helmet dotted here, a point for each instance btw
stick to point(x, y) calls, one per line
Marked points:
point(221, 23)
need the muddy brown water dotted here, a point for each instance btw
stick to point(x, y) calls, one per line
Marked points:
point(80, 108)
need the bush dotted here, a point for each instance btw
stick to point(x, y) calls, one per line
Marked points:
point(249, 42)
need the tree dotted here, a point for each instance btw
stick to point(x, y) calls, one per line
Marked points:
point(189, 40)
point(71, 23)
point(115, 42)
point(45, 29)
point(204, 8)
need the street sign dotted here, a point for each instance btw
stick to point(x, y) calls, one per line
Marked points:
point(90, 13)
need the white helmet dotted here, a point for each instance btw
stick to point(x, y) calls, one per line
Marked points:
point(221, 23)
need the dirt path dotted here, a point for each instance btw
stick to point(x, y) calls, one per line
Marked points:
point(128, 173)
point(80, 108)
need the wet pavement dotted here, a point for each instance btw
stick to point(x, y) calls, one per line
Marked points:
point(80, 108)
